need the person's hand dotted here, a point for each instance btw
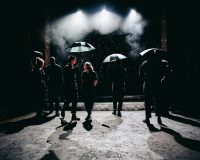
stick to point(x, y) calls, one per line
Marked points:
point(94, 83)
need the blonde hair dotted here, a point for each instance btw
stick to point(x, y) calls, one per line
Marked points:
point(89, 66)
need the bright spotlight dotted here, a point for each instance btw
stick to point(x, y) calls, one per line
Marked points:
point(134, 16)
point(105, 21)
point(79, 16)
point(133, 23)
point(104, 11)
point(132, 12)
point(79, 12)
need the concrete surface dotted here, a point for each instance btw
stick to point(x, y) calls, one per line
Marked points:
point(107, 137)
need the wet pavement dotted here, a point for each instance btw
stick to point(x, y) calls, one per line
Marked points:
point(105, 137)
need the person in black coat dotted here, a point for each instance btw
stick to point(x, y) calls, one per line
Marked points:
point(118, 77)
point(89, 82)
point(38, 79)
point(70, 86)
point(54, 83)
point(152, 72)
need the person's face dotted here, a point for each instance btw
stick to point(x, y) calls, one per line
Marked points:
point(85, 67)
point(74, 61)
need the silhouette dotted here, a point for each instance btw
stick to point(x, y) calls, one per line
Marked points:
point(54, 83)
point(89, 82)
point(70, 86)
point(38, 79)
point(152, 72)
point(168, 86)
point(118, 77)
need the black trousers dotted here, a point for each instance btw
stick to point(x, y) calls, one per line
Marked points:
point(152, 97)
point(71, 96)
point(88, 98)
point(54, 97)
point(39, 96)
point(118, 96)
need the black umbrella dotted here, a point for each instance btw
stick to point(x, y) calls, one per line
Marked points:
point(152, 52)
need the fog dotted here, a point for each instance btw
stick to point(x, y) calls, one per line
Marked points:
point(76, 26)
point(134, 25)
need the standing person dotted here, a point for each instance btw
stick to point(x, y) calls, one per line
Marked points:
point(151, 72)
point(70, 87)
point(89, 82)
point(168, 87)
point(39, 85)
point(54, 83)
point(118, 77)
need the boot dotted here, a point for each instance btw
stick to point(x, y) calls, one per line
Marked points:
point(119, 114)
point(114, 112)
point(147, 121)
point(74, 117)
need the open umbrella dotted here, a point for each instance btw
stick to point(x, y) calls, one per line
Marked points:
point(79, 47)
point(114, 57)
point(147, 53)
point(37, 53)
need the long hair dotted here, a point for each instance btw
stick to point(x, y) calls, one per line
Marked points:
point(89, 66)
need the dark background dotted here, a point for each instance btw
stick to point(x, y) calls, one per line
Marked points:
point(22, 25)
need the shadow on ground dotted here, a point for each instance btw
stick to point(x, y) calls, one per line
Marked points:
point(183, 120)
point(79, 140)
point(175, 144)
point(13, 127)
point(51, 155)
point(186, 142)
point(152, 128)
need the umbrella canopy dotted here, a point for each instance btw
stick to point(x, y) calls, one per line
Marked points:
point(37, 53)
point(147, 53)
point(79, 47)
point(114, 57)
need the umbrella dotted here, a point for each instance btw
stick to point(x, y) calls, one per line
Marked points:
point(147, 53)
point(79, 47)
point(114, 57)
point(37, 53)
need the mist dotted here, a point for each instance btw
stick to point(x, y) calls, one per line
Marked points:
point(76, 26)
point(71, 28)
point(134, 25)
point(105, 22)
